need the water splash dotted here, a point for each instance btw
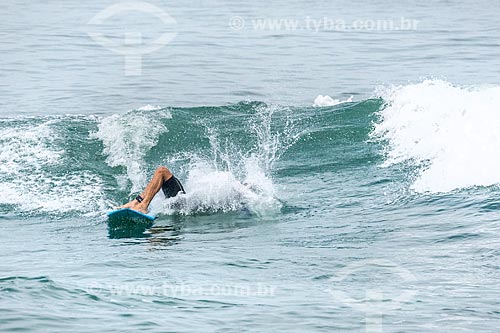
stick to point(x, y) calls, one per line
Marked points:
point(230, 177)
point(127, 139)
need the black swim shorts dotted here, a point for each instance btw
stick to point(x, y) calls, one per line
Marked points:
point(172, 187)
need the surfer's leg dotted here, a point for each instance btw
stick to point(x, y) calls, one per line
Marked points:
point(161, 175)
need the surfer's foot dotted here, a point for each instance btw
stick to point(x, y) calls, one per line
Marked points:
point(128, 205)
point(135, 205)
point(140, 207)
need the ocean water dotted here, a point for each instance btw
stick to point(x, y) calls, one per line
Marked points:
point(373, 207)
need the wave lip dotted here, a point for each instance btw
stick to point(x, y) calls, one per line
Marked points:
point(449, 132)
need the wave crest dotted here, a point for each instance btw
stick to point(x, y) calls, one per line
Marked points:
point(449, 132)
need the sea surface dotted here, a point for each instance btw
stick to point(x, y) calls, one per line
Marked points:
point(375, 209)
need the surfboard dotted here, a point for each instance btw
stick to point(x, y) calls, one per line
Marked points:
point(130, 214)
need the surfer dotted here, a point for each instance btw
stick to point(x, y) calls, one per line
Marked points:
point(162, 179)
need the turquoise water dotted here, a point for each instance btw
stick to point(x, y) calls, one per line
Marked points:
point(376, 213)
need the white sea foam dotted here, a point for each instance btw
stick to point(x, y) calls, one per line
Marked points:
point(451, 132)
point(27, 152)
point(328, 101)
point(39, 192)
point(27, 147)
